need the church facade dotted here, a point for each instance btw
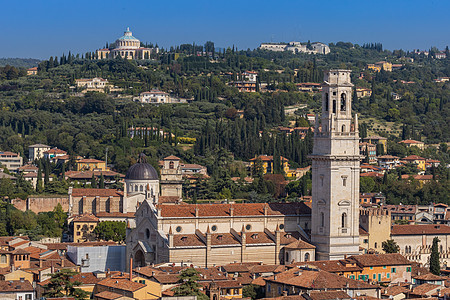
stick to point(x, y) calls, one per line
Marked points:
point(335, 171)
point(215, 234)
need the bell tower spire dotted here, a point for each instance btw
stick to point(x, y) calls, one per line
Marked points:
point(335, 168)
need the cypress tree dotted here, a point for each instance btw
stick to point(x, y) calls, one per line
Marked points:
point(435, 266)
point(93, 181)
point(101, 184)
point(39, 188)
point(46, 172)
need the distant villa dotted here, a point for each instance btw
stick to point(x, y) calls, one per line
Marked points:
point(128, 47)
point(297, 47)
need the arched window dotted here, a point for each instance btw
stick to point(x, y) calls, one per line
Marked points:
point(326, 101)
point(307, 256)
point(141, 188)
point(344, 220)
point(343, 128)
point(441, 248)
point(322, 219)
point(406, 249)
point(136, 188)
point(171, 165)
point(375, 245)
point(3, 259)
point(334, 106)
point(409, 249)
point(343, 102)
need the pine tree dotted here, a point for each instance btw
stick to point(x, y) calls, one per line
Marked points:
point(435, 266)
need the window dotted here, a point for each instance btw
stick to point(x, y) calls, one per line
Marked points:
point(343, 102)
point(27, 296)
point(281, 226)
point(334, 106)
point(178, 229)
point(306, 256)
point(268, 287)
point(408, 269)
point(279, 290)
point(343, 128)
point(371, 268)
point(322, 219)
point(171, 165)
point(142, 188)
point(375, 245)
point(374, 276)
point(387, 275)
point(344, 220)
point(248, 227)
point(147, 233)
point(366, 241)
point(393, 270)
point(344, 179)
point(326, 101)
point(214, 228)
point(384, 267)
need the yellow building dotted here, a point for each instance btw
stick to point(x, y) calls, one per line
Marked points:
point(32, 71)
point(377, 224)
point(267, 163)
point(416, 160)
point(363, 92)
point(18, 275)
point(378, 66)
point(83, 227)
point(89, 164)
point(136, 288)
point(410, 143)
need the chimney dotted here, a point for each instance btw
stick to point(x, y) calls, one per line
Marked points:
point(131, 268)
point(107, 273)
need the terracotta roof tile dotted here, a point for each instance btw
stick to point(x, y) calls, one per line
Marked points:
point(427, 229)
point(239, 209)
point(107, 295)
point(16, 286)
point(85, 218)
point(121, 284)
point(390, 259)
point(426, 289)
point(96, 192)
point(328, 295)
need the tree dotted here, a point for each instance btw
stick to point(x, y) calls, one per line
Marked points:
point(93, 181)
point(39, 187)
point(189, 285)
point(435, 265)
point(62, 284)
point(111, 231)
point(101, 183)
point(390, 246)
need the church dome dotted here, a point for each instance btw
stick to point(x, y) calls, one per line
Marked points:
point(128, 36)
point(142, 170)
point(127, 41)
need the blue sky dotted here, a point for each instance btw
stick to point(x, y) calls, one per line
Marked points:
point(44, 28)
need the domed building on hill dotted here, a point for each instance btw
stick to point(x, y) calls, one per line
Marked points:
point(127, 46)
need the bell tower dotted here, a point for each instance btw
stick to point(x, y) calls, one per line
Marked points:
point(335, 171)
